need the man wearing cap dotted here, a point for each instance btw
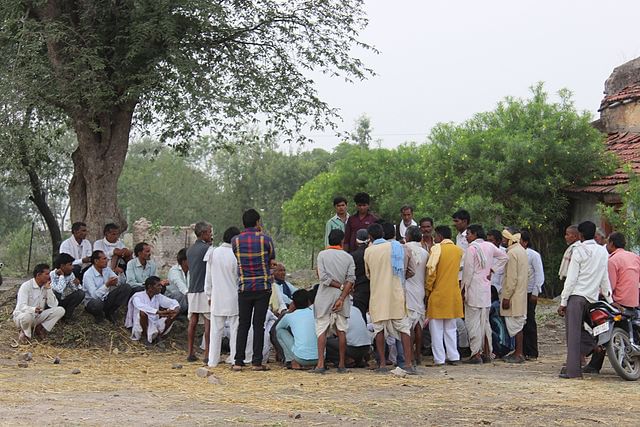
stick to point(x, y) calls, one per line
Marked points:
point(361, 289)
point(514, 292)
point(361, 220)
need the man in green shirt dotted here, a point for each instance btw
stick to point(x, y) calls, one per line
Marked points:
point(339, 220)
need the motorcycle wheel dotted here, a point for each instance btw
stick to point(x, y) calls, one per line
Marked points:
point(618, 350)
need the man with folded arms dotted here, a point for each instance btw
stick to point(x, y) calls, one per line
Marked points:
point(332, 306)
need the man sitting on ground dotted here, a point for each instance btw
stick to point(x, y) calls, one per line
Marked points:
point(179, 281)
point(114, 249)
point(78, 247)
point(332, 305)
point(140, 268)
point(358, 342)
point(151, 314)
point(37, 307)
point(103, 293)
point(296, 333)
point(66, 286)
point(281, 285)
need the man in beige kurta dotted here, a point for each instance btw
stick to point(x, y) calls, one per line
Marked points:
point(387, 305)
point(514, 292)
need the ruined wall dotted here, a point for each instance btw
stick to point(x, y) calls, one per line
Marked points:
point(165, 241)
point(622, 118)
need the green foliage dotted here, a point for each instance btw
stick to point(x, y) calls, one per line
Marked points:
point(15, 254)
point(186, 64)
point(391, 177)
point(510, 166)
point(626, 218)
point(164, 188)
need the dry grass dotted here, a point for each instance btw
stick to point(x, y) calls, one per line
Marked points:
point(123, 383)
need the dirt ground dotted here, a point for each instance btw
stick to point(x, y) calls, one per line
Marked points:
point(124, 384)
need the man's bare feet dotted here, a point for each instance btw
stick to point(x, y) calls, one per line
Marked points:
point(40, 332)
point(22, 338)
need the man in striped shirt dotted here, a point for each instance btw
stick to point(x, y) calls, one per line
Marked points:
point(254, 251)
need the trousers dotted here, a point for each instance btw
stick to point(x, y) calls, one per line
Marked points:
point(444, 340)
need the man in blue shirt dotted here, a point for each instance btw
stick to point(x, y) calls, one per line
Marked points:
point(296, 332)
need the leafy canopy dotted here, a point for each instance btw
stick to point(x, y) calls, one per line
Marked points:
point(185, 64)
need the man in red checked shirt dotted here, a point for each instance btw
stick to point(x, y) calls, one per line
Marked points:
point(254, 251)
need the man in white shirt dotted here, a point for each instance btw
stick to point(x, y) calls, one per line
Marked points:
point(414, 288)
point(497, 275)
point(104, 294)
point(406, 214)
point(461, 221)
point(536, 280)
point(150, 314)
point(587, 278)
point(114, 249)
point(66, 286)
point(572, 237)
point(78, 247)
point(482, 257)
point(31, 312)
point(179, 280)
point(221, 288)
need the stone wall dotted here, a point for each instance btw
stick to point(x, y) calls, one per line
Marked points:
point(165, 241)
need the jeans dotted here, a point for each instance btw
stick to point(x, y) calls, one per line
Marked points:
point(107, 307)
point(286, 340)
point(70, 302)
point(250, 303)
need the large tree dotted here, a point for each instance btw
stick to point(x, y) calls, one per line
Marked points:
point(173, 66)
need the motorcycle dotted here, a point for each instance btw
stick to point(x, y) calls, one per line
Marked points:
point(617, 331)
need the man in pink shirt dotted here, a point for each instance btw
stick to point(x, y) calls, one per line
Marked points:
point(624, 277)
point(624, 272)
point(480, 260)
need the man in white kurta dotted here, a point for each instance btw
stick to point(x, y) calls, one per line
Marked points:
point(150, 313)
point(221, 287)
point(31, 312)
point(414, 287)
point(481, 259)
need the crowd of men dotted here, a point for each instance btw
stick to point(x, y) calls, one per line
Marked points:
point(384, 289)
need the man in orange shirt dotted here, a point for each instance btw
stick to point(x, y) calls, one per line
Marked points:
point(624, 277)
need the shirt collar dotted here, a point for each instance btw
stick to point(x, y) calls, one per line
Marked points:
point(34, 284)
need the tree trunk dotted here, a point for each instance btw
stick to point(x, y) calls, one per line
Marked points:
point(98, 161)
point(38, 194)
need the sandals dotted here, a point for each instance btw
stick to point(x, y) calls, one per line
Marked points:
point(260, 368)
point(320, 371)
point(236, 368)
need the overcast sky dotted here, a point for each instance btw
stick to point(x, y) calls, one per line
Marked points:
point(443, 61)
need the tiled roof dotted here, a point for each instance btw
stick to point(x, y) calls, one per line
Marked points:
point(626, 145)
point(629, 93)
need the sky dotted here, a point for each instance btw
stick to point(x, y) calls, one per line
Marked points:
point(443, 61)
